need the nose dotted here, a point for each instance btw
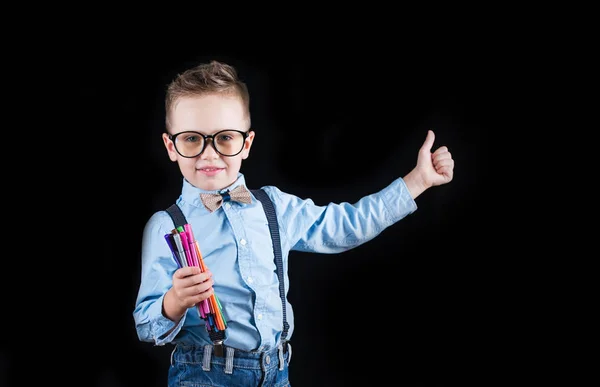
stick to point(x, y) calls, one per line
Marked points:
point(209, 153)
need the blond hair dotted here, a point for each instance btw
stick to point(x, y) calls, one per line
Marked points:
point(206, 78)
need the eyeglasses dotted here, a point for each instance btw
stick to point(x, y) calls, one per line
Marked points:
point(226, 142)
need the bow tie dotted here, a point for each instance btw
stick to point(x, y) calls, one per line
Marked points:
point(212, 201)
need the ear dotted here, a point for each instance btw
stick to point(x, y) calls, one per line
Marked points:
point(170, 147)
point(247, 145)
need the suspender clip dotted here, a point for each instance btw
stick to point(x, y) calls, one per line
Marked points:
point(218, 348)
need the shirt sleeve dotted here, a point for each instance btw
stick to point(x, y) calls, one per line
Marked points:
point(337, 227)
point(158, 266)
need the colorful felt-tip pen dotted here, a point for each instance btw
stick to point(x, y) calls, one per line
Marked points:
point(173, 249)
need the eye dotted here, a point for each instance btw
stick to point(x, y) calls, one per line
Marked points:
point(190, 137)
point(224, 137)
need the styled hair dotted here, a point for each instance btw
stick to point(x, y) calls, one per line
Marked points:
point(214, 78)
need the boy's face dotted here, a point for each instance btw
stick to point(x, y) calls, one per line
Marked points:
point(208, 115)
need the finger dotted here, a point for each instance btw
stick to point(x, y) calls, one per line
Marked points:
point(193, 290)
point(441, 150)
point(428, 141)
point(445, 170)
point(203, 287)
point(186, 272)
point(445, 155)
point(201, 296)
point(443, 162)
point(197, 293)
point(195, 279)
point(202, 277)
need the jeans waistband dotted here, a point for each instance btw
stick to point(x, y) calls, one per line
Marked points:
point(233, 357)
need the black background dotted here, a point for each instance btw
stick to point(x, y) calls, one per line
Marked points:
point(419, 305)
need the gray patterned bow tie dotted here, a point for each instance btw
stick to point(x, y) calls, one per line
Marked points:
point(212, 201)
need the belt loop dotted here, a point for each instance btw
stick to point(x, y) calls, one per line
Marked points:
point(289, 348)
point(229, 360)
point(280, 352)
point(172, 354)
point(206, 358)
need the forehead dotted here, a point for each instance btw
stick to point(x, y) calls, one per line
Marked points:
point(208, 113)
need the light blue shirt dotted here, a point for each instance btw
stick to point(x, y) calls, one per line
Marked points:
point(236, 246)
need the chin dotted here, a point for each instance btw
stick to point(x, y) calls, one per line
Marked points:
point(211, 185)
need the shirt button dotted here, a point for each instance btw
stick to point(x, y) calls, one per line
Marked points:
point(268, 359)
point(259, 316)
point(250, 280)
point(227, 205)
point(243, 242)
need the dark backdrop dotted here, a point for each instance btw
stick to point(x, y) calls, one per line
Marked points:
point(417, 305)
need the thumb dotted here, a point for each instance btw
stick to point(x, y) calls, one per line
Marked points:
point(428, 141)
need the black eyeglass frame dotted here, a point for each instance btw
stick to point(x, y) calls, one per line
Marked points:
point(205, 137)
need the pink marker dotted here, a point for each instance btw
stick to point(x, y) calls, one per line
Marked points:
point(192, 244)
point(186, 248)
point(192, 249)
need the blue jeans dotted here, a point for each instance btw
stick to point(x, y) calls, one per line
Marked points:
point(199, 367)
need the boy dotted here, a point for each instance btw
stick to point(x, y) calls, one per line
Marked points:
point(208, 135)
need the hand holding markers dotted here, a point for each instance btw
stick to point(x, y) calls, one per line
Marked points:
point(191, 286)
point(186, 253)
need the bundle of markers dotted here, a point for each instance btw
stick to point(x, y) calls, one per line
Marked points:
point(186, 252)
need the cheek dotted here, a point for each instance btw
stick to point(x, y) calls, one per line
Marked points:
point(235, 162)
point(185, 163)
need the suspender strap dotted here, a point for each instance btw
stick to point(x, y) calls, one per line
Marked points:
point(274, 228)
point(176, 215)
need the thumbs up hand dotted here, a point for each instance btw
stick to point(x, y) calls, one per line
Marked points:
point(437, 168)
point(432, 169)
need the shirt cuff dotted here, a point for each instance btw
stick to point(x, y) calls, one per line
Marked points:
point(398, 200)
point(163, 329)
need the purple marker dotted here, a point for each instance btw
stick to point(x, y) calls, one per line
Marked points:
point(172, 248)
